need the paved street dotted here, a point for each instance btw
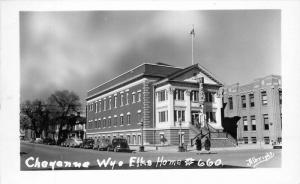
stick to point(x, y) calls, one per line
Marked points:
point(39, 156)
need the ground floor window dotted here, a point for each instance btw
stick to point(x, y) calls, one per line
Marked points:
point(245, 140)
point(253, 140)
point(134, 139)
point(179, 115)
point(267, 140)
point(211, 116)
point(128, 139)
point(139, 139)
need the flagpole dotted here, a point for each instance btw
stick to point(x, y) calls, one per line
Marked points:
point(193, 35)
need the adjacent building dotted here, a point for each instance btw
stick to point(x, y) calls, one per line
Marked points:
point(167, 102)
point(254, 110)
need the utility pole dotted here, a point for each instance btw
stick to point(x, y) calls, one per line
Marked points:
point(193, 36)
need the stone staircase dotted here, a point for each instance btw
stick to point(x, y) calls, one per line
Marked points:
point(218, 138)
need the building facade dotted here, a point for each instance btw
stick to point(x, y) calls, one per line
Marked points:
point(257, 108)
point(162, 103)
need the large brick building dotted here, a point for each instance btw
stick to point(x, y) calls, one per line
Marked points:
point(170, 101)
point(254, 110)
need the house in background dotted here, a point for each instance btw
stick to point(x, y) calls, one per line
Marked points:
point(253, 111)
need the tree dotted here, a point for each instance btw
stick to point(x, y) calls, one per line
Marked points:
point(64, 103)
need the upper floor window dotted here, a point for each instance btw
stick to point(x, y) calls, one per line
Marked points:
point(161, 95)
point(179, 94)
point(266, 121)
point(230, 101)
point(128, 119)
point(92, 106)
point(109, 105)
point(96, 108)
point(264, 98)
point(139, 117)
point(162, 116)
point(99, 123)
point(253, 123)
point(209, 97)
point(243, 100)
point(100, 106)
point(251, 100)
point(121, 120)
point(116, 121)
point(127, 98)
point(115, 101)
point(121, 99)
point(104, 123)
point(109, 122)
point(179, 115)
point(139, 96)
point(280, 97)
point(195, 96)
point(245, 123)
point(104, 104)
point(133, 97)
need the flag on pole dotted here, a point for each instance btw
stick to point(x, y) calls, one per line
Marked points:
point(192, 32)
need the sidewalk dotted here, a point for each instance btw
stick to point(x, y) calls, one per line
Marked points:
point(159, 148)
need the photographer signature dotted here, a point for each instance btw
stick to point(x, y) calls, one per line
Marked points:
point(253, 161)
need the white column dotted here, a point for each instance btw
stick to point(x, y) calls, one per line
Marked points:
point(218, 100)
point(171, 106)
point(187, 99)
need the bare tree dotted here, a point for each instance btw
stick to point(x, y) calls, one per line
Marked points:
point(64, 103)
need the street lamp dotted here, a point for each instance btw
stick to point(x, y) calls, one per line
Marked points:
point(142, 130)
point(180, 147)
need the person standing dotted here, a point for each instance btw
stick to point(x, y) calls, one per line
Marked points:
point(207, 144)
point(198, 144)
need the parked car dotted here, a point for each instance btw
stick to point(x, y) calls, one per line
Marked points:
point(48, 141)
point(72, 142)
point(87, 143)
point(118, 144)
point(101, 144)
point(38, 140)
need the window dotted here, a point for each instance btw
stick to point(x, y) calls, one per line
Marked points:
point(139, 96)
point(230, 103)
point(253, 140)
point(96, 108)
point(104, 105)
point(267, 140)
point(243, 100)
point(162, 116)
point(121, 120)
point(245, 140)
point(92, 105)
point(179, 94)
point(245, 123)
point(134, 139)
point(116, 121)
point(115, 101)
point(109, 105)
point(128, 119)
point(211, 116)
point(161, 95)
point(209, 97)
point(266, 121)
point(195, 96)
point(253, 123)
point(99, 106)
point(133, 97)
point(99, 124)
point(128, 139)
point(121, 99)
point(139, 117)
point(95, 124)
point(104, 123)
point(179, 114)
point(264, 98)
point(251, 100)
point(127, 98)
point(109, 122)
point(280, 97)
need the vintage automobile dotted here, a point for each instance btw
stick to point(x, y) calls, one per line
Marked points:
point(48, 141)
point(101, 144)
point(118, 144)
point(87, 143)
point(72, 142)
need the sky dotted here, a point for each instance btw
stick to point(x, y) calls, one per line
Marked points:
point(79, 50)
